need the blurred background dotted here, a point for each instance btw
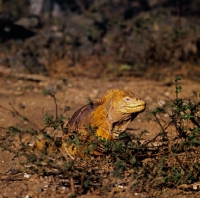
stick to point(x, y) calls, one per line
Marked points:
point(145, 38)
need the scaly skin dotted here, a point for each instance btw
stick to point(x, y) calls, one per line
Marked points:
point(109, 116)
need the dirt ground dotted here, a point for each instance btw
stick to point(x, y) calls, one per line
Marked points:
point(27, 98)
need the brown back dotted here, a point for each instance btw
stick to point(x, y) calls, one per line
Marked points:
point(81, 117)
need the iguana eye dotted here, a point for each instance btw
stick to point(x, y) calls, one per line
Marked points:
point(127, 99)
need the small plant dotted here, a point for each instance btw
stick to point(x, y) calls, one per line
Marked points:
point(183, 114)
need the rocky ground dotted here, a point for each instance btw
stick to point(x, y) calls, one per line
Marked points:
point(27, 98)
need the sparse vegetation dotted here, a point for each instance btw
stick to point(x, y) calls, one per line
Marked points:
point(129, 164)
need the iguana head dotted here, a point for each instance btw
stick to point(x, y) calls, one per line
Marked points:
point(123, 102)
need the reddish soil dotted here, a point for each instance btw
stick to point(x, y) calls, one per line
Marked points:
point(26, 96)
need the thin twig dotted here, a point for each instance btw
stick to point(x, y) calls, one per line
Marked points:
point(71, 181)
point(15, 112)
point(56, 106)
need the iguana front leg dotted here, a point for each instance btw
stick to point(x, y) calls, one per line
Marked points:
point(117, 129)
point(104, 131)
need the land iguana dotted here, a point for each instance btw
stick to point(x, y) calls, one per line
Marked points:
point(107, 117)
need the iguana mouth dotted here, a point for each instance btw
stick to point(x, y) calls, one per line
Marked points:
point(135, 106)
point(133, 109)
point(140, 108)
point(132, 106)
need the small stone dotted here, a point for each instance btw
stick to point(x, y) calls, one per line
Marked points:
point(26, 175)
point(39, 189)
point(167, 93)
point(161, 103)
